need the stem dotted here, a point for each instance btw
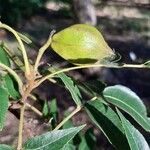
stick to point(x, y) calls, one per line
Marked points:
point(22, 48)
point(89, 66)
point(34, 109)
point(21, 122)
point(32, 97)
point(14, 74)
point(67, 118)
point(142, 66)
point(42, 50)
point(19, 147)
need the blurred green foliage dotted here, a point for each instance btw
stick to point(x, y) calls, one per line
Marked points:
point(11, 11)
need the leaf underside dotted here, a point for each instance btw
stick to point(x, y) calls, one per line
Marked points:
point(127, 100)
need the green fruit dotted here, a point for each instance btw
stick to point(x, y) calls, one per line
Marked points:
point(81, 44)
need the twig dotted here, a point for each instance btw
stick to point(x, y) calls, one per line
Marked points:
point(42, 50)
point(34, 109)
point(67, 118)
point(89, 66)
point(33, 97)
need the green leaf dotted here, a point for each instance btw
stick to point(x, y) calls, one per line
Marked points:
point(53, 112)
point(45, 109)
point(11, 85)
point(55, 140)
point(53, 106)
point(127, 100)
point(3, 56)
point(108, 121)
point(3, 106)
point(5, 147)
point(50, 108)
point(72, 88)
point(50, 111)
point(135, 138)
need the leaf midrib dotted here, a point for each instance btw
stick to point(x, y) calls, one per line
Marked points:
point(70, 88)
point(132, 138)
point(51, 142)
point(107, 96)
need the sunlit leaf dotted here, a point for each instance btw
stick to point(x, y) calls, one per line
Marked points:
point(127, 100)
point(54, 140)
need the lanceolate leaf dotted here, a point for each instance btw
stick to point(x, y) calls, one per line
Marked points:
point(53, 106)
point(24, 38)
point(45, 110)
point(73, 89)
point(5, 147)
point(55, 140)
point(108, 121)
point(53, 112)
point(135, 138)
point(9, 84)
point(3, 56)
point(3, 106)
point(128, 101)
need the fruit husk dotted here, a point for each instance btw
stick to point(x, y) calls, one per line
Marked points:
point(81, 44)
